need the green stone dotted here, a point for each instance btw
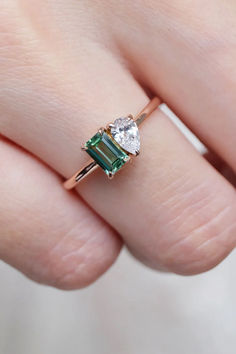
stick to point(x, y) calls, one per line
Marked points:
point(106, 152)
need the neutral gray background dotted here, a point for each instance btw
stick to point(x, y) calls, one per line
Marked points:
point(130, 310)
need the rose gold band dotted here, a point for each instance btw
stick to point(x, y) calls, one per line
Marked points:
point(147, 111)
point(79, 175)
point(91, 165)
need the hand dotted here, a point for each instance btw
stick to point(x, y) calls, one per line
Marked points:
point(68, 67)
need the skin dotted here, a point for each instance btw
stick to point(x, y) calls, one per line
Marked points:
point(68, 67)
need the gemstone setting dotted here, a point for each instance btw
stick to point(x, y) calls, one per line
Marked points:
point(126, 133)
point(106, 152)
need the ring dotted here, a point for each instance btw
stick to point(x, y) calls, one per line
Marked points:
point(113, 146)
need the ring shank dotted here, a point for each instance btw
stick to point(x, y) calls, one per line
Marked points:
point(79, 175)
point(147, 111)
point(92, 165)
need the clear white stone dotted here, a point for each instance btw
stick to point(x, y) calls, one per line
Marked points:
point(125, 132)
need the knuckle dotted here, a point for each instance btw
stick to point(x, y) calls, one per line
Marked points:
point(205, 245)
point(196, 232)
point(66, 273)
point(74, 264)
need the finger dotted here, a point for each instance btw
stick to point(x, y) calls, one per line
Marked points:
point(174, 213)
point(224, 169)
point(172, 209)
point(188, 56)
point(47, 233)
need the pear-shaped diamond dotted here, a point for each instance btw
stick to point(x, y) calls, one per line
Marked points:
point(125, 132)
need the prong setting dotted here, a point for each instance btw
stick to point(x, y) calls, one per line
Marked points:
point(127, 158)
point(101, 130)
point(110, 126)
point(110, 175)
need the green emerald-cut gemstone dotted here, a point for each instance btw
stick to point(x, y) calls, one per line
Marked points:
point(106, 152)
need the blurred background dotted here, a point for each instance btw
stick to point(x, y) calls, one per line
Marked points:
point(130, 310)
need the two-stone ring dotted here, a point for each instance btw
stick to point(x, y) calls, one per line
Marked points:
point(113, 146)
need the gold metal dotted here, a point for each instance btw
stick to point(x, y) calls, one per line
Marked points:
point(128, 158)
point(78, 176)
point(101, 130)
point(147, 111)
point(92, 165)
point(110, 175)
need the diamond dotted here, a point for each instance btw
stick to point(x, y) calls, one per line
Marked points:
point(125, 132)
